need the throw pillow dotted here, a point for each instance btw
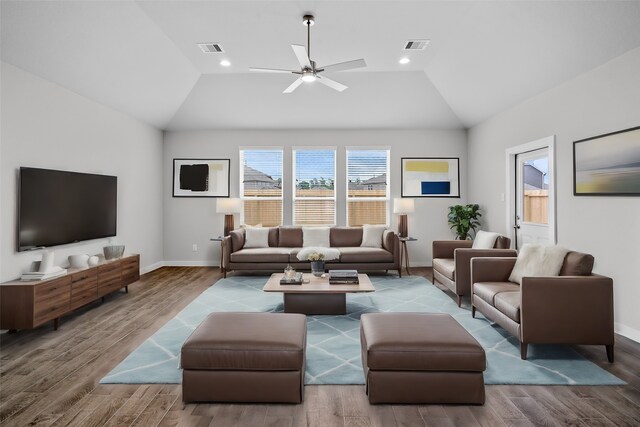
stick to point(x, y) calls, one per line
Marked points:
point(315, 236)
point(485, 240)
point(256, 237)
point(372, 235)
point(538, 261)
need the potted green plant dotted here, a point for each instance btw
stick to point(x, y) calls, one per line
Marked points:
point(463, 219)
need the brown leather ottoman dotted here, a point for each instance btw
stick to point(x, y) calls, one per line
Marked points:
point(420, 358)
point(245, 357)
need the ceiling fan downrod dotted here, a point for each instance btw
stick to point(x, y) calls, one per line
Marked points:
point(308, 20)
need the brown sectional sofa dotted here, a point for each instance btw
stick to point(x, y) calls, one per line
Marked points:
point(286, 242)
point(575, 307)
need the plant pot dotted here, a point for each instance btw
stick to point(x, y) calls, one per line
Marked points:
point(317, 268)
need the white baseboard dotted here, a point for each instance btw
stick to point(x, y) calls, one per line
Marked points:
point(626, 331)
point(150, 268)
point(191, 264)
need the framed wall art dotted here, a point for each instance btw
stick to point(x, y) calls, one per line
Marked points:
point(201, 177)
point(430, 177)
point(607, 165)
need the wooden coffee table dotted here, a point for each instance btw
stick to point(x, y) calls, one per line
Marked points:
point(317, 296)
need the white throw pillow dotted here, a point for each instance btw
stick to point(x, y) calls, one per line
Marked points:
point(538, 261)
point(484, 240)
point(256, 237)
point(315, 236)
point(372, 235)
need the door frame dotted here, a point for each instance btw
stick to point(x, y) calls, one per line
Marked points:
point(510, 153)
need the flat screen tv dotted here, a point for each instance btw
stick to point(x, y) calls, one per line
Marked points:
point(59, 207)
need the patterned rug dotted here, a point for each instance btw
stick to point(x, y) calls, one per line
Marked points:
point(333, 342)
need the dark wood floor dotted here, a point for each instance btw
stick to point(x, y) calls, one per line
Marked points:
point(51, 378)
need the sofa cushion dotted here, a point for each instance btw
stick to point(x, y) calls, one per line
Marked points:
point(372, 235)
point(256, 238)
point(577, 264)
point(261, 255)
point(290, 237)
point(237, 239)
point(488, 290)
point(538, 261)
point(341, 237)
point(502, 242)
point(365, 255)
point(508, 303)
point(446, 267)
point(484, 240)
point(315, 237)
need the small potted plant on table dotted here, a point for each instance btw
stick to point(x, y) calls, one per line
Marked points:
point(317, 257)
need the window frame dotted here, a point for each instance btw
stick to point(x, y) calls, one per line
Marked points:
point(241, 180)
point(386, 198)
point(294, 198)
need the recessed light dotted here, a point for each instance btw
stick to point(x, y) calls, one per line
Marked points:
point(225, 63)
point(404, 60)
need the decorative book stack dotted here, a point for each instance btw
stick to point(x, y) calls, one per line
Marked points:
point(343, 277)
point(37, 275)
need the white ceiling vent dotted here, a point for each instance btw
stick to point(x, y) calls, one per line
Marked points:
point(416, 44)
point(210, 47)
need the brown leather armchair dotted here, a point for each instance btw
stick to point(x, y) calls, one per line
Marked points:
point(575, 307)
point(452, 262)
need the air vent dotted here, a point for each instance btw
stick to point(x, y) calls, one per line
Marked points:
point(210, 47)
point(416, 44)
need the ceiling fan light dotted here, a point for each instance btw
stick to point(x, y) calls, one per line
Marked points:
point(308, 77)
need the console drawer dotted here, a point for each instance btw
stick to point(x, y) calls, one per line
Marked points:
point(87, 283)
point(52, 287)
point(80, 298)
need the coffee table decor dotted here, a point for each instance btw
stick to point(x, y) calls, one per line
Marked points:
point(317, 256)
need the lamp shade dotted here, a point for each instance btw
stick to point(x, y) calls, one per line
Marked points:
point(403, 206)
point(228, 205)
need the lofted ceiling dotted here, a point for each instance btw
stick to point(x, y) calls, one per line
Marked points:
point(141, 58)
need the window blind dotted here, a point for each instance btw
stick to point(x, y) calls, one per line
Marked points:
point(314, 197)
point(261, 186)
point(367, 187)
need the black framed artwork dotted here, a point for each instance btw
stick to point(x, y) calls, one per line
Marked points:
point(201, 177)
point(607, 165)
point(430, 177)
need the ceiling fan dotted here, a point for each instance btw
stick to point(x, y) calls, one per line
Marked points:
point(308, 71)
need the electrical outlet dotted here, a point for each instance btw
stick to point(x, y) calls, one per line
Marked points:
point(194, 248)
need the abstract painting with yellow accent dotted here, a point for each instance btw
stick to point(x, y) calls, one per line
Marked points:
point(430, 177)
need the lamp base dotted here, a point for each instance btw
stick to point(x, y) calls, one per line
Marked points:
point(403, 226)
point(228, 224)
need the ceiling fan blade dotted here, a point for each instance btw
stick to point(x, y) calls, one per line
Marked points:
point(301, 54)
point(272, 70)
point(331, 83)
point(293, 86)
point(341, 66)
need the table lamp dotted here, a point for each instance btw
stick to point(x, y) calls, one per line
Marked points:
point(228, 206)
point(402, 207)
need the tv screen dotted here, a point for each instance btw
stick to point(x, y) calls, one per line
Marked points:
point(58, 207)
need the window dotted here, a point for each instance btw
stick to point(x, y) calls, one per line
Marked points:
point(261, 186)
point(314, 195)
point(367, 186)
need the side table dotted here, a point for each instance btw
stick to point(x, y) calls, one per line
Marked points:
point(221, 240)
point(404, 252)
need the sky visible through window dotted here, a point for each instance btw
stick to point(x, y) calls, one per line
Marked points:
point(371, 162)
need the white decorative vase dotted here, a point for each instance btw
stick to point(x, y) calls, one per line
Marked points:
point(79, 261)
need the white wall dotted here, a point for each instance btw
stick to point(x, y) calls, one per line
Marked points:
point(44, 125)
point(602, 100)
point(191, 221)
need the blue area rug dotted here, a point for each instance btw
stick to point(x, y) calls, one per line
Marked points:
point(333, 342)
